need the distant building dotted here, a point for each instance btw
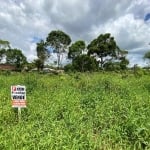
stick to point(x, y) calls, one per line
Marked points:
point(7, 67)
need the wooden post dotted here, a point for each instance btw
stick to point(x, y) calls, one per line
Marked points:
point(19, 114)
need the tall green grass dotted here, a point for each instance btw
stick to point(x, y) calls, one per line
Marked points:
point(98, 111)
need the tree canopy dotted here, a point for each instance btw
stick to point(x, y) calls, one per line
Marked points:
point(42, 54)
point(58, 40)
point(104, 45)
point(102, 51)
point(84, 63)
point(76, 49)
point(2, 54)
point(147, 55)
point(4, 44)
point(15, 57)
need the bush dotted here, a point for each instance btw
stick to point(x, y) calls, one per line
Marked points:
point(5, 72)
point(138, 72)
point(69, 68)
point(111, 66)
point(85, 63)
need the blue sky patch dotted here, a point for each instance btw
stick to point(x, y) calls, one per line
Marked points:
point(147, 17)
point(36, 39)
point(50, 49)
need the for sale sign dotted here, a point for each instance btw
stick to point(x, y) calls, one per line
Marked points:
point(18, 96)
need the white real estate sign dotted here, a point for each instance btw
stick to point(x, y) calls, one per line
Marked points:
point(18, 96)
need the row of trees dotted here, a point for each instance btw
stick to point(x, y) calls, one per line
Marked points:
point(57, 41)
point(101, 53)
point(11, 56)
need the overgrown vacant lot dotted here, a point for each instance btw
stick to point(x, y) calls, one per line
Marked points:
point(97, 111)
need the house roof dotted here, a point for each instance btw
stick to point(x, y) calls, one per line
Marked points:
point(7, 67)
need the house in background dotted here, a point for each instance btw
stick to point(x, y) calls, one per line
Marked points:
point(5, 67)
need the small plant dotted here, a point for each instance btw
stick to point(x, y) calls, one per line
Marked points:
point(77, 111)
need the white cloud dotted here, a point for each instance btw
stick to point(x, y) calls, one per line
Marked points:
point(31, 53)
point(23, 20)
point(129, 32)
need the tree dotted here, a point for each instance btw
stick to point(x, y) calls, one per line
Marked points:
point(58, 40)
point(42, 54)
point(124, 63)
point(120, 63)
point(69, 68)
point(123, 60)
point(103, 46)
point(111, 66)
point(2, 54)
point(76, 49)
point(84, 63)
point(15, 57)
point(147, 56)
point(4, 44)
point(30, 65)
point(38, 63)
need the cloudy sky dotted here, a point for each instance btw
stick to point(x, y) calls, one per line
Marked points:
point(24, 22)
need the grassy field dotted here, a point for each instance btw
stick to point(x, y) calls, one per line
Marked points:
point(97, 111)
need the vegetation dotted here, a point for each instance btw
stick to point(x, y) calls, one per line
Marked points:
point(104, 49)
point(41, 54)
point(2, 54)
point(147, 57)
point(12, 56)
point(76, 49)
point(77, 111)
point(103, 46)
point(83, 63)
point(58, 40)
point(101, 53)
point(4, 44)
point(15, 57)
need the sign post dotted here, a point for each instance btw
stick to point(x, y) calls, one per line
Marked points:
point(18, 97)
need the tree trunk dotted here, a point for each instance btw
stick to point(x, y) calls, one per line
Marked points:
point(58, 60)
point(101, 62)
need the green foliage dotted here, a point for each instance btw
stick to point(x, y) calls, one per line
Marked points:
point(2, 54)
point(30, 65)
point(58, 40)
point(39, 64)
point(41, 50)
point(15, 57)
point(6, 72)
point(112, 66)
point(84, 63)
point(42, 54)
point(124, 62)
point(76, 49)
point(104, 45)
point(147, 55)
point(4, 44)
point(31, 83)
point(138, 72)
point(77, 111)
point(69, 68)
